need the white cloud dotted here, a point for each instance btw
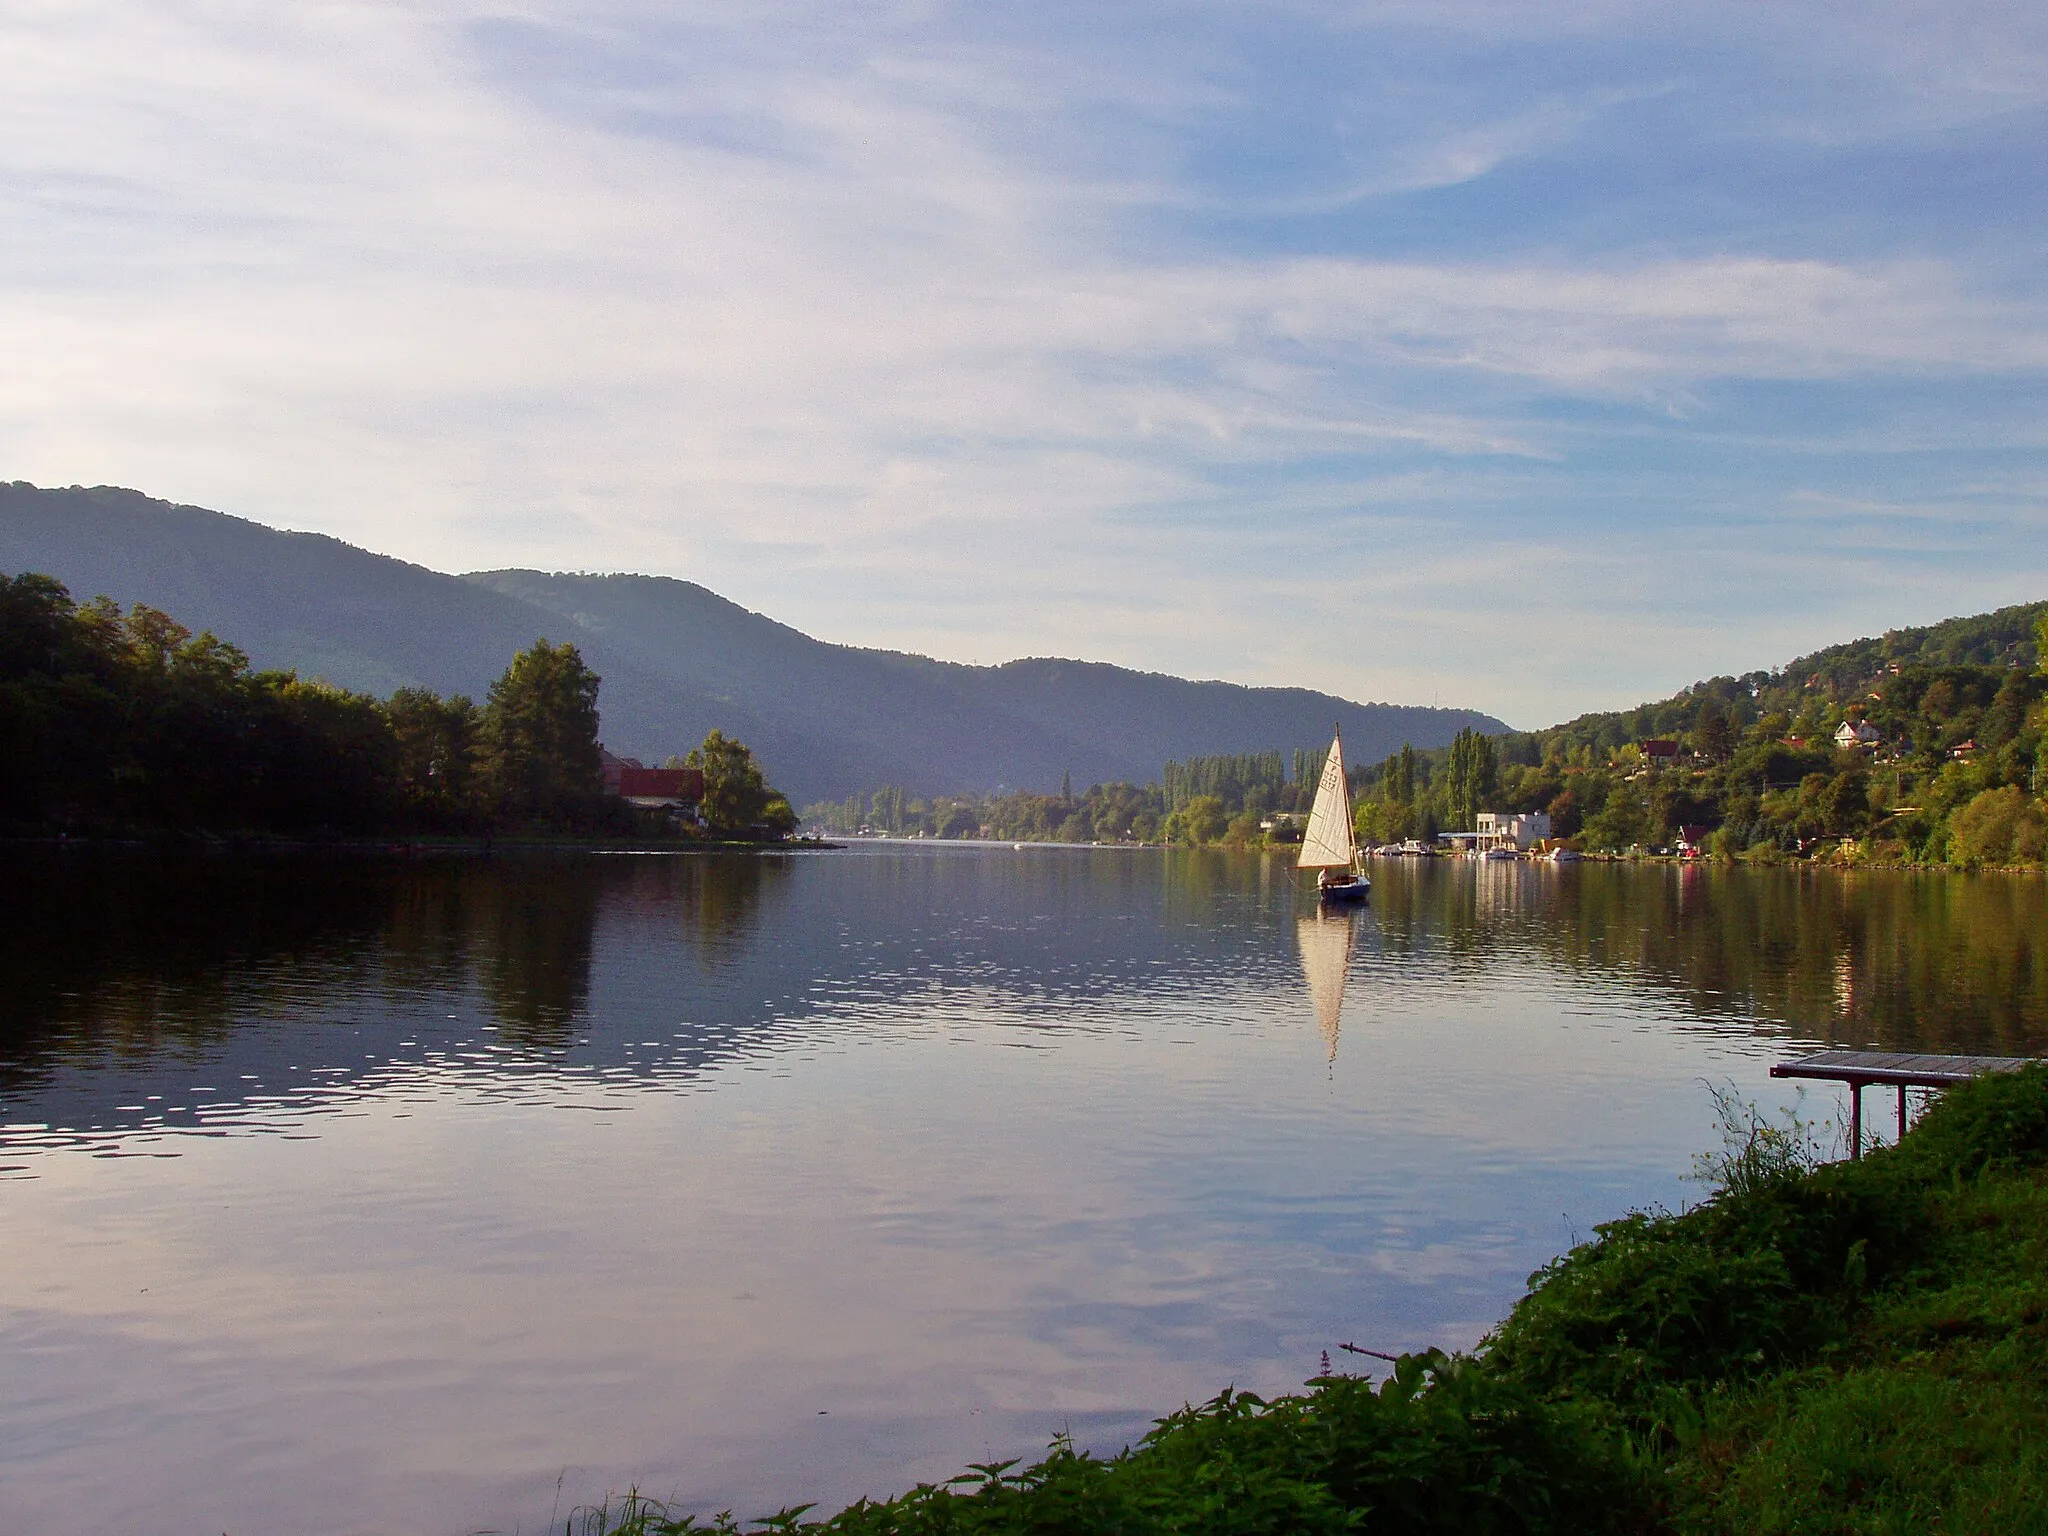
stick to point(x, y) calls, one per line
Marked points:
point(857, 330)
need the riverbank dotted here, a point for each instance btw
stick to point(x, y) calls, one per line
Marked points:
point(1853, 1347)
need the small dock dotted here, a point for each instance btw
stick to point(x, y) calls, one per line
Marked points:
point(1903, 1070)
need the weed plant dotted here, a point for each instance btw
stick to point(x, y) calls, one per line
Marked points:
point(1856, 1347)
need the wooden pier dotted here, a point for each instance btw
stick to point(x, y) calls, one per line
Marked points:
point(1861, 1069)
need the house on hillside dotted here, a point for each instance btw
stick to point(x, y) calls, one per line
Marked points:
point(1657, 752)
point(652, 789)
point(1856, 733)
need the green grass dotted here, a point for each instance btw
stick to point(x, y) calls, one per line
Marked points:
point(1847, 1347)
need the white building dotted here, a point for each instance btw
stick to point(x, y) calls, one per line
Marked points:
point(1856, 733)
point(1520, 832)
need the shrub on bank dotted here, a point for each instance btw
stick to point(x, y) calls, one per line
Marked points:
point(1999, 826)
point(1443, 1445)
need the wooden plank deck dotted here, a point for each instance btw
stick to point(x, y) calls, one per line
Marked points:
point(1899, 1069)
point(1905, 1068)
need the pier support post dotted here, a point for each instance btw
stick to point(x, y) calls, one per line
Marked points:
point(1855, 1120)
point(1902, 1111)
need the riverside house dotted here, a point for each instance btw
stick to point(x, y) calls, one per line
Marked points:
point(652, 789)
point(1520, 832)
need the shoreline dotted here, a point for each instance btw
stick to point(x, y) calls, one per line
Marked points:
point(1816, 1345)
point(411, 845)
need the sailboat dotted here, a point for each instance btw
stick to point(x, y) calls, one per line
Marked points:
point(1330, 845)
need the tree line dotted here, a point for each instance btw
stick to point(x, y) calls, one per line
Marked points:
point(1201, 800)
point(1956, 775)
point(114, 722)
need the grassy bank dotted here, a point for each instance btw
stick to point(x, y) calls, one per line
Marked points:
point(1850, 1347)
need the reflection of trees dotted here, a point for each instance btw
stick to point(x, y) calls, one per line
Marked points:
point(530, 925)
point(108, 956)
point(124, 955)
point(717, 897)
point(712, 901)
point(426, 939)
point(1197, 882)
point(1895, 958)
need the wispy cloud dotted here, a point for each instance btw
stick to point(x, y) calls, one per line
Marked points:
point(917, 325)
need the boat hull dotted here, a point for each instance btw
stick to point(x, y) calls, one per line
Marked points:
point(1345, 894)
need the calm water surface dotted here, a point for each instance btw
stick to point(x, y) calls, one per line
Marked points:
point(363, 1195)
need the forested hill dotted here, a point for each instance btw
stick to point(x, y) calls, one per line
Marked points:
point(1926, 745)
point(676, 659)
point(2005, 637)
point(1828, 680)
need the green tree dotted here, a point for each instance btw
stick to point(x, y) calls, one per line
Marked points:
point(437, 744)
point(1845, 804)
point(539, 728)
point(1621, 822)
point(326, 757)
point(1999, 826)
point(1200, 821)
point(886, 809)
point(1713, 734)
point(737, 796)
point(1474, 778)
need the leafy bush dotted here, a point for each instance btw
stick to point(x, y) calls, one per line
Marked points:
point(1999, 826)
point(1999, 1120)
point(1443, 1445)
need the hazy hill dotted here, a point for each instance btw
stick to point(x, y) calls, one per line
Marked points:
point(676, 659)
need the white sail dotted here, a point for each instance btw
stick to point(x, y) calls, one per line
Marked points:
point(1325, 962)
point(1328, 843)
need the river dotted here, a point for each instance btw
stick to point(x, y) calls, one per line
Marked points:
point(441, 1194)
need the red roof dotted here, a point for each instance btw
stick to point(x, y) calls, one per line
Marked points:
point(684, 784)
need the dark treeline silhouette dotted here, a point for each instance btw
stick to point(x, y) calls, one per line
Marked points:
point(124, 722)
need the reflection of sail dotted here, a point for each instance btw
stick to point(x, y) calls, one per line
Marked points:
point(1325, 961)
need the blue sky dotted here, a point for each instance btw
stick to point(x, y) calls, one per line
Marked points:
point(1537, 358)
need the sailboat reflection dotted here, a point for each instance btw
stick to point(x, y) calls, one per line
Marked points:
point(1326, 940)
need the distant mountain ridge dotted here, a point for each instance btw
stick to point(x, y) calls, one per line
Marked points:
point(676, 658)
